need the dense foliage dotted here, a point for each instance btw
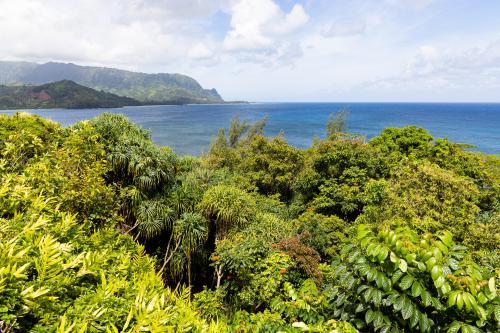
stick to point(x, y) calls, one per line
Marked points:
point(61, 94)
point(103, 231)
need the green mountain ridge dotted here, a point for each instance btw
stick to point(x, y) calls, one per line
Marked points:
point(61, 94)
point(161, 88)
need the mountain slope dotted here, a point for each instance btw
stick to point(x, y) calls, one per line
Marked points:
point(11, 71)
point(61, 94)
point(149, 88)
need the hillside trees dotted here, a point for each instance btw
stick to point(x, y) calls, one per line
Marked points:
point(102, 231)
point(428, 199)
point(337, 175)
point(63, 264)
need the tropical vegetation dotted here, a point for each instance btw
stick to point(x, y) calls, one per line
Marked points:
point(103, 231)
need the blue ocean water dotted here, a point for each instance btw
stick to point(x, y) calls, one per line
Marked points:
point(188, 129)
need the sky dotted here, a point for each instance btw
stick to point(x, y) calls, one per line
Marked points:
point(275, 50)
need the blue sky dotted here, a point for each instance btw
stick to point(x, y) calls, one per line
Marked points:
point(275, 50)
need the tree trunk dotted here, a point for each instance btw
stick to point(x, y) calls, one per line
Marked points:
point(218, 271)
point(189, 269)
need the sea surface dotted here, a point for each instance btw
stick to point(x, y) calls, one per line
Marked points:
point(188, 129)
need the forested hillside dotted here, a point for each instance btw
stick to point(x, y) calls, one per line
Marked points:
point(146, 88)
point(62, 94)
point(102, 231)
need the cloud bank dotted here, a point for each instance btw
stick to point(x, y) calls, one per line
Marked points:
point(322, 50)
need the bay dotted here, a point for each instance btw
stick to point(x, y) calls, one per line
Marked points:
point(188, 129)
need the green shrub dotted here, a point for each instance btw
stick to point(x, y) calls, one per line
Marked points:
point(400, 281)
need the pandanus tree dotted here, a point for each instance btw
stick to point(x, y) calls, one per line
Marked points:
point(141, 164)
point(170, 225)
point(155, 208)
point(142, 171)
point(190, 232)
point(135, 159)
point(153, 218)
point(227, 206)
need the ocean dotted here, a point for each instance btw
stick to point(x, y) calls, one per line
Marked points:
point(189, 129)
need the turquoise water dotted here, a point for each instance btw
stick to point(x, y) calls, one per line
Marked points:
point(188, 129)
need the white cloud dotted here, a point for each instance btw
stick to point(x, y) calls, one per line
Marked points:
point(436, 73)
point(270, 49)
point(157, 35)
point(89, 31)
point(343, 28)
point(178, 10)
point(424, 62)
point(456, 65)
point(200, 51)
point(292, 21)
point(259, 25)
point(411, 4)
